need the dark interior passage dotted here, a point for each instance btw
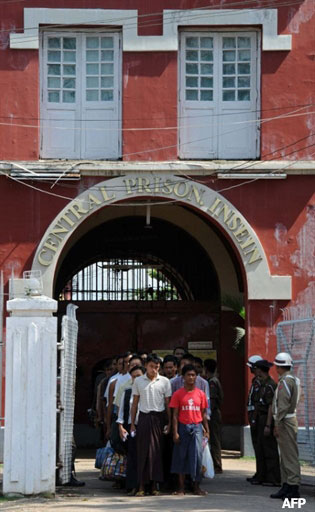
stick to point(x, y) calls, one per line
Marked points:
point(111, 327)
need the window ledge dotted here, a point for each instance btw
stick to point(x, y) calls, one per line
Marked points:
point(78, 168)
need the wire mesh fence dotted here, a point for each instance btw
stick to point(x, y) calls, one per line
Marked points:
point(68, 361)
point(295, 335)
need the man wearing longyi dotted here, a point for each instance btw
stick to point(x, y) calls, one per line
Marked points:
point(190, 423)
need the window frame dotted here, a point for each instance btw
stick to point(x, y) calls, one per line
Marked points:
point(256, 86)
point(65, 32)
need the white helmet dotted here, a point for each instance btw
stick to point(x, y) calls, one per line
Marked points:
point(283, 359)
point(252, 360)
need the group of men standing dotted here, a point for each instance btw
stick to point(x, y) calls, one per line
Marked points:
point(169, 404)
point(273, 424)
point(159, 415)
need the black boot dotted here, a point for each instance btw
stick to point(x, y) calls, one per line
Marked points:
point(293, 492)
point(282, 493)
point(73, 482)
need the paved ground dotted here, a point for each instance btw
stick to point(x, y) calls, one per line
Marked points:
point(227, 492)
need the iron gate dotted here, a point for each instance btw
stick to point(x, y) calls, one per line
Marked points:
point(295, 335)
point(66, 394)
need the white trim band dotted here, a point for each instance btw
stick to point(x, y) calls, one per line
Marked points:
point(172, 20)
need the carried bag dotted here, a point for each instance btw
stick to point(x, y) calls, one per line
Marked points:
point(207, 463)
point(114, 467)
point(101, 454)
point(121, 447)
point(118, 445)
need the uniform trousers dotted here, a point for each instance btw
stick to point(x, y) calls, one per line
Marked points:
point(289, 453)
point(267, 457)
point(215, 438)
point(254, 435)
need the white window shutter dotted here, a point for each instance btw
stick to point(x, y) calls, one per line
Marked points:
point(60, 105)
point(218, 95)
point(100, 97)
point(80, 108)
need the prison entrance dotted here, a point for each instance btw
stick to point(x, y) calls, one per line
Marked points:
point(143, 286)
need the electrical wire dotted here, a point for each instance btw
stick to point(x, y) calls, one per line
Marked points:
point(133, 204)
point(263, 4)
point(195, 141)
point(250, 165)
point(183, 143)
point(126, 119)
point(254, 179)
point(163, 128)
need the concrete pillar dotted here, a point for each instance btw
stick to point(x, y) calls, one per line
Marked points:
point(30, 397)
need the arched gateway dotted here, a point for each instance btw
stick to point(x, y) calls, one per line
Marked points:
point(199, 240)
point(260, 283)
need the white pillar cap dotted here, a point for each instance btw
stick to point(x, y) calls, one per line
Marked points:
point(32, 306)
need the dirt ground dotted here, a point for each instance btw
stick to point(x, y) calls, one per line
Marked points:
point(227, 492)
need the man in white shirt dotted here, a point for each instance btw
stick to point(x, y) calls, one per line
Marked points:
point(124, 422)
point(135, 360)
point(113, 388)
point(151, 393)
point(120, 364)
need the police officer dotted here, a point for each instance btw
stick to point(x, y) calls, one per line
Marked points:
point(268, 467)
point(215, 424)
point(284, 412)
point(253, 397)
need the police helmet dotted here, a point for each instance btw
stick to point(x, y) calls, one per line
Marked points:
point(283, 359)
point(252, 360)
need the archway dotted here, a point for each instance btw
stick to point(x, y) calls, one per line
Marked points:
point(221, 235)
point(261, 285)
point(107, 273)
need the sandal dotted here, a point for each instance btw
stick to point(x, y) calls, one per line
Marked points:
point(140, 494)
point(155, 493)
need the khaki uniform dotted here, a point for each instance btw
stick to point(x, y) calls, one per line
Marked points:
point(268, 468)
point(253, 398)
point(216, 398)
point(284, 413)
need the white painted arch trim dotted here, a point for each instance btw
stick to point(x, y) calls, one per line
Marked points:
point(172, 20)
point(261, 285)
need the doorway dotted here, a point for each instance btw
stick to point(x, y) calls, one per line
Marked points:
point(142, 288)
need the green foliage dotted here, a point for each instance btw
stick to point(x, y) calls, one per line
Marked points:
point(234, 303)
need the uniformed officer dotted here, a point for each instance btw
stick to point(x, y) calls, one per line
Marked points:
point(216, 399)
point(268, 467)
point(253, 397)
point(286, 427)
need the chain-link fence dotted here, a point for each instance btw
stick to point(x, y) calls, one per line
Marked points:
point(66, 392)
point(295, 335)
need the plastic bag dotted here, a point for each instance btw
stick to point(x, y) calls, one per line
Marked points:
point(114, 467)
point(101, 455)
point(207, 463)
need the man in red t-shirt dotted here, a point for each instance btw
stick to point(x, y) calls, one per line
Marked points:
point(189, 421)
